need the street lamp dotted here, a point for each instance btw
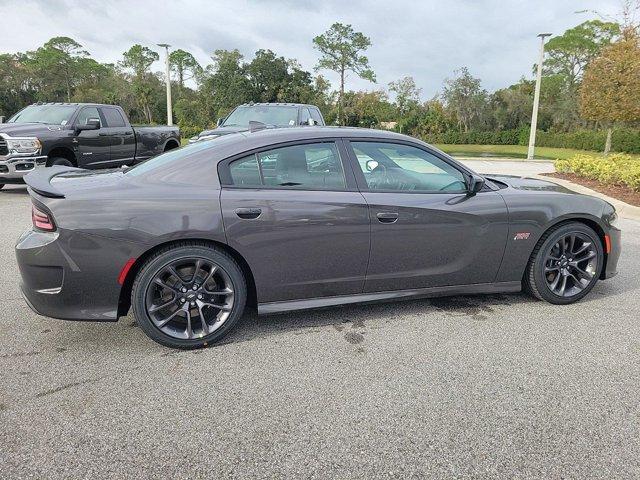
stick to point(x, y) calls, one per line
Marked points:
point(536, 100)
point(168, 73)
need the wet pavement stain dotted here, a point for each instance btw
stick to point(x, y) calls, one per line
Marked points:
point(354, 337)
point(474, 307)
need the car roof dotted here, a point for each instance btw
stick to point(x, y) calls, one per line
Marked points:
point(233, 144)
point(276, 104)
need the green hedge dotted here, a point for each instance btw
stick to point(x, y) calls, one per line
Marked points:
point(613, 169)
point(624, 140)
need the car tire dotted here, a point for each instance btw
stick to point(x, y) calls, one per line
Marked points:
point(145, 285)
point(59, 161)
point(544, 275)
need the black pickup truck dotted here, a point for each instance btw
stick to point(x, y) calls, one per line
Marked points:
point(84, 135)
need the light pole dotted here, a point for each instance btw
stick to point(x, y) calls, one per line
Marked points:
point(168, 73)
point(536, 100)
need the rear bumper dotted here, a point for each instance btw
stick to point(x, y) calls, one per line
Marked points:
point(14, 168)
point(55, 284)
point(611, 267)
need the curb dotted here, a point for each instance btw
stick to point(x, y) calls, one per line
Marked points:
point(624, 210)
point(501, 159)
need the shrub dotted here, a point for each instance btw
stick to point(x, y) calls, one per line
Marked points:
point(623, 140)
point(614, 169)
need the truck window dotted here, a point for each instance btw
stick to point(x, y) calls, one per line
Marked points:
point(305, 116)
point(86, 113)
point(113, 117)
point(317, 118)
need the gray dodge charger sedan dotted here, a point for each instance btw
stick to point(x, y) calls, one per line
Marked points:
point(298, 218)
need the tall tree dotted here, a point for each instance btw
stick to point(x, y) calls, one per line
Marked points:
point(341, 49)
point(184, 65)
point(407, 96)
point(268, 74)
point(465, 96)
point(569, 54)
point(139, 59)
point(610, 90)
point(57, 66)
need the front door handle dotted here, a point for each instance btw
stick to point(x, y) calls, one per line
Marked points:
point(248, 213)
point(387, 217)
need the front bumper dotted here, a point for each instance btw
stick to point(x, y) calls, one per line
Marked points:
point(611, 266)
point(13, 168)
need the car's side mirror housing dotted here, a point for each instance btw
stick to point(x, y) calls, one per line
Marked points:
point(92, 124)
point(476, 182)
point(219, 122)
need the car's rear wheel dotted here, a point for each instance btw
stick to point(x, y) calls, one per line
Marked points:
point(565, 265)
point(189, 295)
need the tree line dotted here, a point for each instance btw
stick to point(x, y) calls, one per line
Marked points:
point(591, 80)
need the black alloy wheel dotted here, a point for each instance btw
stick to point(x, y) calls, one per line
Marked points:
point(565, 264)
point(189, 296)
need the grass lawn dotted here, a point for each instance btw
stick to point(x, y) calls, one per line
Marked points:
point(512, 151)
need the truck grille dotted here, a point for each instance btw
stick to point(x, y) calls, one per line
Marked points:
point(3, 147)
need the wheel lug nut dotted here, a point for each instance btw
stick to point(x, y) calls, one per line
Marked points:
point(182, 300)
point(200, 296)
point(183, 290)
point(193, 304)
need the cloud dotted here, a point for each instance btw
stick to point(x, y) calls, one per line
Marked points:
point(426, 39)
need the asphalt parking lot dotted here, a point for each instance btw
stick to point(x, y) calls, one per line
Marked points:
point(493, 386)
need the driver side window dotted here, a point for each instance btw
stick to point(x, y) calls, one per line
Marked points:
point(87, 113)
point(402, 168)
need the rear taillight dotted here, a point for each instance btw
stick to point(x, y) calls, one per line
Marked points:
point(42, 220)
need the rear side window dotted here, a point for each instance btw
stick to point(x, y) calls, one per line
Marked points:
point(113, 117)
point(315, 166)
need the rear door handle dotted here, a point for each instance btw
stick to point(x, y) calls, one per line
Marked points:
point(387, 217)
point(248, 213)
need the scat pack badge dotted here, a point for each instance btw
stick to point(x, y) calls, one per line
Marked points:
point(522, 236)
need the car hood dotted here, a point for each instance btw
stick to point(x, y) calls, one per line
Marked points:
point(223, 131)
point(26, 129)
point(527, 183)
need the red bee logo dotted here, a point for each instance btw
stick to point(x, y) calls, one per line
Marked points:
point(522, 236)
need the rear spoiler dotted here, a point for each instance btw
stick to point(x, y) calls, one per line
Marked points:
point(40, 180)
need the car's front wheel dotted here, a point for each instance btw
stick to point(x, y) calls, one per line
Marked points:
point(188, 295)
point(565, 264)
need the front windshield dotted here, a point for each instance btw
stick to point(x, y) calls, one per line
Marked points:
point(279, 115)
point(49, 114)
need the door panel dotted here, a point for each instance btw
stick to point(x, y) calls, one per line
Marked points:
point(301, 244)
point(93, 146)
point(122, 140)
point(427, 240)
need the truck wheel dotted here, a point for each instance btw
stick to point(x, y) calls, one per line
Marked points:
point(59, 161)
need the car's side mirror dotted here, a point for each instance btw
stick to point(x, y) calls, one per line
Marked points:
point(92, 124)
point(219, 122)
point(476, 182)
point(371, 165)
point(311, 122)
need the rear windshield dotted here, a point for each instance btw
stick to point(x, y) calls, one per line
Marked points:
point(166, 159)
point(49, 114)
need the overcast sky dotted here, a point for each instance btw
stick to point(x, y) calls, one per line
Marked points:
point(429, 39)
